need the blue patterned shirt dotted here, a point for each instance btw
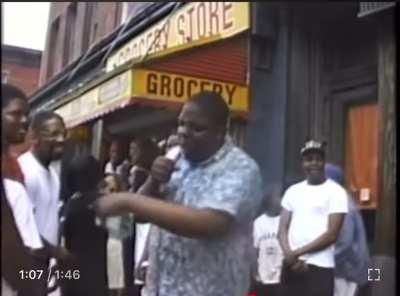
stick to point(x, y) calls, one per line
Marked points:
point(230, 182)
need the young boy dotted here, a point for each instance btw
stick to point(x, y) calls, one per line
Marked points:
point(269, 252)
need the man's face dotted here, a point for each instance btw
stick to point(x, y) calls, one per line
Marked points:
point(50, 140)
point(14, 119)
point(116, 157)
point(314, 167)
point(134, 152)
point(197, 135)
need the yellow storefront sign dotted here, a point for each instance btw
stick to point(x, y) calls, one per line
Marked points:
point(110, 94)
point(154, 85)
point(192, 25)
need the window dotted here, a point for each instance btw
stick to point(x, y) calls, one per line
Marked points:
point(94, 32)
point(70, 30)
point(87, 26)
point(54, 32)
point(94, 24)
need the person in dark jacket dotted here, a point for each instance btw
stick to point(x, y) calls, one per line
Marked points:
point(351, 249)
point(84, 237)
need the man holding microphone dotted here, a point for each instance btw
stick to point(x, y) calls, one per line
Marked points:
point(202, 205)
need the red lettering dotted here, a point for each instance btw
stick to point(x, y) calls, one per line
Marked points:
point(142, 47)
point(190, 13)
point(201, 20)
point(157, 37)
point(213, 17)
point(128, 52)
point(121, 57)
point(227, 7)
point(150, 45)
point(165, 33)
point(135, 50)
point(181, 24)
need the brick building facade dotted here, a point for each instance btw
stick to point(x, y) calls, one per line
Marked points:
point(20, 67)
point(75, 27)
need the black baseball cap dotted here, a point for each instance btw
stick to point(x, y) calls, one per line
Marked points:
point(313, 145)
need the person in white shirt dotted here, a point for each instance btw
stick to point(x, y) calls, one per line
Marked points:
point(269, 252)
point(21, 245)
point(312, 215)
point(42, 181)
point(23, 212)
point(118, 163)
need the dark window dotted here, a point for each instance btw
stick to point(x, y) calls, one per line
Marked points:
point(87, 26)
point(54, 32)
point(94, 33)
point(94, 25)
point(70, 30)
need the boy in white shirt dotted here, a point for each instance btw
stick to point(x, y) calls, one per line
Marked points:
point(269, 252)
point(312, 215)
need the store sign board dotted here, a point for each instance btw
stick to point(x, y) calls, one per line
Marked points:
point(114, 91)
point(167, 87)
point(192, 25)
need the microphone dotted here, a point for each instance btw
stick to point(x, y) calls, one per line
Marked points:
point(174, 153)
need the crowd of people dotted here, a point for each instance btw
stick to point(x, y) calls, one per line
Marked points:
point(188, 217)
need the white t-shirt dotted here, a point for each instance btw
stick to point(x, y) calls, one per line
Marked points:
point(6, 289)
point(142, 232)
point(270, 255)
point(22, 210)
point(43, 188)
point(311, 206)
point(108, 169)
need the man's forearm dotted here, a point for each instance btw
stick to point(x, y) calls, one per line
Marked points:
point(284, 242)
point(176, 218)
point(326, 239)
point(320, 243)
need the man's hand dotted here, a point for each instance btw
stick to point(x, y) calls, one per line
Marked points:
point(65, 256)
point(110, 205)
point(290, 258)
point(162, 169)
point(299, 266)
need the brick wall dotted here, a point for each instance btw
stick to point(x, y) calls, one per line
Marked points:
point(26, 78)
point(94, 21)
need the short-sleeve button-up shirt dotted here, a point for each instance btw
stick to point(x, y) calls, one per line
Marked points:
point(230, 182)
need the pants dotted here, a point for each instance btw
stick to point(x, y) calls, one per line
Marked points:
point(316, 281)
point(344, 287)
point(268, 290)
point(128, 261)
